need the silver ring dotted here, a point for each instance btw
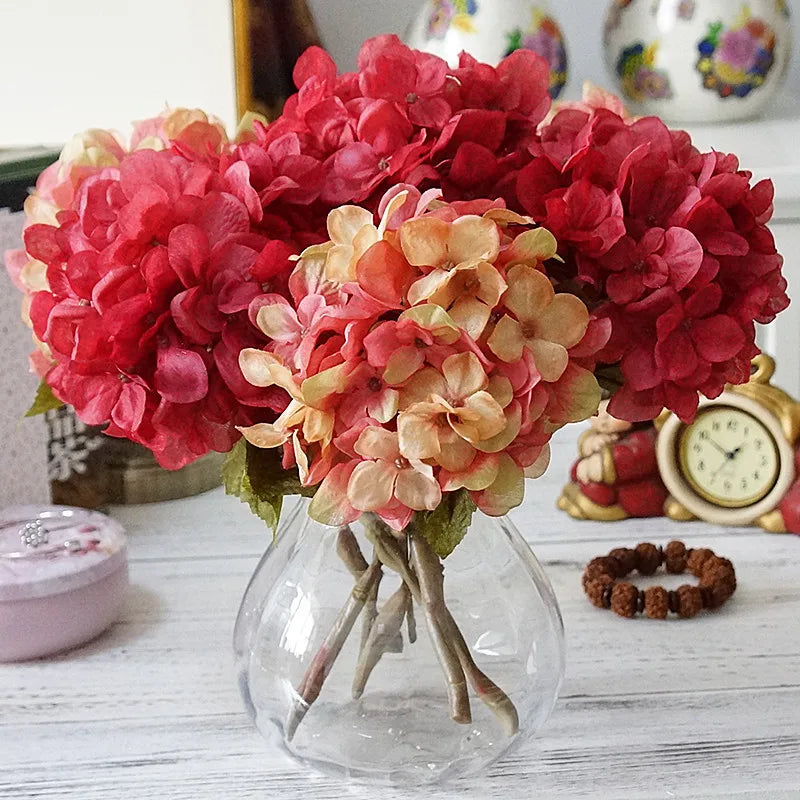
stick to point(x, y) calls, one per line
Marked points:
point(34, 537)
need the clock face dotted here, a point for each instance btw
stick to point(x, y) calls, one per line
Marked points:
point(729, 457)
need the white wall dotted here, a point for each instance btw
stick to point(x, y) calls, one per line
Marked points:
point(67, 65)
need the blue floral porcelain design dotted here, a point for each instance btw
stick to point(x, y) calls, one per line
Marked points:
point(544, 37)
point(455, 13)
point(736, 60)
point(639, 78)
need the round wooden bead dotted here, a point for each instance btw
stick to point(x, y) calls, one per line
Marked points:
point(675, 557)
point(690, 601)
point(626, 557)
point(623, 599)
point(696, 558)
point(603, 565)
point(648, 558)
point(656, 602)
point(595, 589)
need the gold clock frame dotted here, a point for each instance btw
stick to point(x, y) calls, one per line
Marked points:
point(780, 414)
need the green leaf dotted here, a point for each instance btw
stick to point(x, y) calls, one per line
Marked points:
point(44, 401)
point(445, 527)
point(258, 478)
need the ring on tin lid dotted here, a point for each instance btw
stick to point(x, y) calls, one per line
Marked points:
point(34, 536)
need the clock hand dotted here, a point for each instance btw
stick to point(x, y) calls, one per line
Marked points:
point(720, 448)
point(728, 457)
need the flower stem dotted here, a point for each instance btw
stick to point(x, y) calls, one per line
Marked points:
point(431, 589)
point(383, 633)
point(323, 661)
point(391, 553)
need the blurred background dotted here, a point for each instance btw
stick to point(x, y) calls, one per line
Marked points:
point(72, 64)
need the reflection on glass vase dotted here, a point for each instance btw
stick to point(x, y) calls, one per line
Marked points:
point(352, 660)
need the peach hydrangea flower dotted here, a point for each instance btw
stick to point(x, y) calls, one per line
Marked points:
point(455, 414)
point(424, 354)
point(387, 474)
point(306, 414)
point(548, 324)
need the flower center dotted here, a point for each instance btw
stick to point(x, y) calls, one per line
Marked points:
point(471, 284)
point(383, 164)
point(419, 343)
point(529, 330)
point(639, 266)
point(124, 378)
point(411, 97)
point(401, 463)
point(374, 384)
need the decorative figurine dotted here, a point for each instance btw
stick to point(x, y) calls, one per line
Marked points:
point(616, 476)
point(491, 30)
point(698, 60)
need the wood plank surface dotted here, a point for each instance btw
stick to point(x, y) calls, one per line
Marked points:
point(708, 708)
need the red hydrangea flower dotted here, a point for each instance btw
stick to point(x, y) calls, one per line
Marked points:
point(150, 276)
point(669, 244)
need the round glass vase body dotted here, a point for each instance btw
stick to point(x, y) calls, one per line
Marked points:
point(399, 730)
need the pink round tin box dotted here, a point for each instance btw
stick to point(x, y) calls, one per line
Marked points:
point(63, 576)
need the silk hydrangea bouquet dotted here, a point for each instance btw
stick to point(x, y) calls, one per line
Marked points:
point(389, 299)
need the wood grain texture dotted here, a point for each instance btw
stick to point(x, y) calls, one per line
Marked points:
point(703, 709)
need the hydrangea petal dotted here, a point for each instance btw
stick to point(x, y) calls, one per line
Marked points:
point(417, 491)
point(264, 435)
point(506, 340)
point(377, 443)
point(507, 490)
point(539, 467)
point(473, 239)
point(551, 358)
point(471, 315)
point(330, 505)
point(478, 419)
point(529, 292)
point(402, 364)
point(531, 247)
point(480, 475)
point(512, 423)
point(344, 223)
point(424, 241)
point(371, 485)
point(464, 375)
point(565, 320)
point(418, 431)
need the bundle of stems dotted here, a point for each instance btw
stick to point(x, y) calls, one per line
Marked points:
point(410, 556)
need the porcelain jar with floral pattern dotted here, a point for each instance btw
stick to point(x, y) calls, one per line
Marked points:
point(698, 60)
point(489, 30)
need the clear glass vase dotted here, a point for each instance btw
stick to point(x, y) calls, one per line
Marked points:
point(396, 724)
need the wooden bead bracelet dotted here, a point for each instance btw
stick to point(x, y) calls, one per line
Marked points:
point(717, 580)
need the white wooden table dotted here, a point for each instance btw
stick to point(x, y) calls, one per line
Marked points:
point(702, 708)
